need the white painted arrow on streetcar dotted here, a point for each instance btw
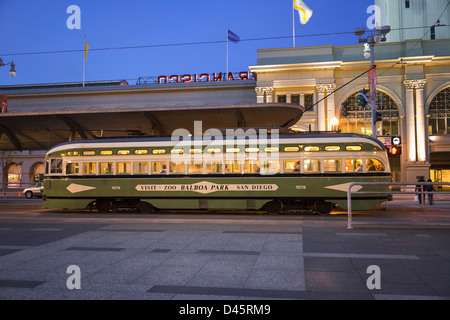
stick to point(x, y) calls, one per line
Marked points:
point(344, 187)
point(74, 188)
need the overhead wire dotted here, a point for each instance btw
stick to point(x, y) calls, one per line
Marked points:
point(186, 43)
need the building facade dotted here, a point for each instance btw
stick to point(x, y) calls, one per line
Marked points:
point(413, 86)
point(415, 19)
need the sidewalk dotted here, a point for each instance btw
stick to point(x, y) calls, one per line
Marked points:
point(406, 202)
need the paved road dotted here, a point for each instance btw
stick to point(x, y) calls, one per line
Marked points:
point(188, 256)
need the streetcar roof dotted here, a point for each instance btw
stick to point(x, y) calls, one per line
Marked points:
point(166, 141)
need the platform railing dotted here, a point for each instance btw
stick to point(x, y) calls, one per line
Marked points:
point(420, 193)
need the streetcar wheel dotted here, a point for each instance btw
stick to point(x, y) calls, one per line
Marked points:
point(323, 207)
point(104, 206)
point(29, 194)
point(274, 207)
point(145, 207)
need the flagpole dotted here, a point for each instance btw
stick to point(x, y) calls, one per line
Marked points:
point(84, 60)
point(226, 76)
point(293, 24)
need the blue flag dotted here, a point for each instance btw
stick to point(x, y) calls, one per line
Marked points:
point(233, 37)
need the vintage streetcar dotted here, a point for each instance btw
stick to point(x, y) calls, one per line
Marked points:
point(264, 173)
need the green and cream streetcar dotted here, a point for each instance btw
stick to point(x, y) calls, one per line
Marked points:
point(274, 174)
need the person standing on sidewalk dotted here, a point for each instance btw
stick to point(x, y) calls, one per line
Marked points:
point(420, 188)
point(428, 189)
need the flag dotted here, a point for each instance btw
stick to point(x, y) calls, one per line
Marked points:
point(233, 37)
point(3, 103)
point(304, 12)
point(86, 48)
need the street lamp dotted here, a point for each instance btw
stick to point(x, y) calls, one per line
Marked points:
point(379, 35)
point(335, 124)
point(12, 71)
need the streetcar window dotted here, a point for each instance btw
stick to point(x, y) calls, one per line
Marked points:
point(88, 153)
point(159, 167)
point(105, 167)
point(333, 165)
point(72, 168)
point(292, 166)
point(123, 151)
point(195, 150)
point(232, 166)
point(140, 151)
point(89, 168)
point(311, 149)
point(159, 151)
point(310, 166)
point(213, 167)
point(374, 165)
point(291, 149)
point(176, 166)
point(271, 167)
point(251, 166)
point(123, 168)
point(272, 149)
point(232, 149)
point(179, 151)
point(251, 150)
point(353, 148)
point(332, 148)
point(72, 153)
point(55, 165)
point(353, 165)
point(140, 167)
point(195, 168)
point(106, 152)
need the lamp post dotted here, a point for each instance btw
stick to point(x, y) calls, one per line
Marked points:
point(12, 71)
point(379, 35)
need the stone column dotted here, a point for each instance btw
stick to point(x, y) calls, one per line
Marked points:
point(321, 112)
point(269, 94)
point(410, 123)
point(331, 111)
point(420, 121)
point(259, 94)
point(288, 98)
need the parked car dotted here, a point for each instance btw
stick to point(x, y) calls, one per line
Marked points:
point(35, 191)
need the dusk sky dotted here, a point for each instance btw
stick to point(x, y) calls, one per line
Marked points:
point(34, 32)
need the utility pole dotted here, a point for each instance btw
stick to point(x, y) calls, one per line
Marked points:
point(379, 35)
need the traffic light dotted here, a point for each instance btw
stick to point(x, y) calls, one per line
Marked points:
point(361, 98)
point(395, 150)
point(344, 109)
point(378, 116)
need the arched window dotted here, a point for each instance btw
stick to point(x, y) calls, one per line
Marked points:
point(359, 120)
point(439, 122)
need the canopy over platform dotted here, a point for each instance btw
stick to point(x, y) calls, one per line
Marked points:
point(43, 130)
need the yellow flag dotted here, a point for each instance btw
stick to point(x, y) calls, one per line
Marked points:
point(86, 48)
point(303, 10)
